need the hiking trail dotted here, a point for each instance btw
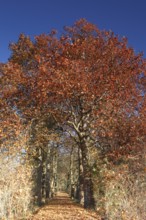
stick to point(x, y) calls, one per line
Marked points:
point(62, 207)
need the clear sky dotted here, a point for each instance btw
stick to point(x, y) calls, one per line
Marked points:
point(33, 17)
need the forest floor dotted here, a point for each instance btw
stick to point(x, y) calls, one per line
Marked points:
point(62, 207)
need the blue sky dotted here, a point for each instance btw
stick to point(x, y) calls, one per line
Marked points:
point(33, 17)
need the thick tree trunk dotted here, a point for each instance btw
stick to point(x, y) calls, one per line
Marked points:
point(48, 166)
point(55, 170)
point(43, 175)
point(81, 179)
point(71, 181)
point(39, 186)
point(38, 190)
point(47, 183)
point(53, 181)
point(87, 182)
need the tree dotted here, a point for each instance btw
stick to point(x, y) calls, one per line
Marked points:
point(42, 155)
point(92, 82)
point(87, 78)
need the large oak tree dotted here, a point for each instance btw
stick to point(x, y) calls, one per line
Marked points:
point(88, 79)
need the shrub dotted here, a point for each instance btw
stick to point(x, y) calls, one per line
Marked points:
point(15, 188)
point(120, 191)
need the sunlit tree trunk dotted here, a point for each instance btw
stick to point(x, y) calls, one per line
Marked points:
point(80, 192)
point(53, 177)
point(71, 181)
point(39, 171)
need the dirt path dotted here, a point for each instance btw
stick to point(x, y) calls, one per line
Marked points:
point(62, 207)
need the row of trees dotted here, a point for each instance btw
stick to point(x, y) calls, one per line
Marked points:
point(85, 91)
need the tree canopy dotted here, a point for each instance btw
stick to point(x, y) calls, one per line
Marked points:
point(89, 82)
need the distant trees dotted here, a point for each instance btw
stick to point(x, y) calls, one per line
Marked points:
point(43, 154)
point(89, 81)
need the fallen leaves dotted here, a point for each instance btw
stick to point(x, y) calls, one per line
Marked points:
point(62, 207)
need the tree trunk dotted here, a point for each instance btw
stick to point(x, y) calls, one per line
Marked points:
point(71, 181)
point(48, 166)
point(43, 175)
point(87, 179)
point(55, 170)
point(38, 191)
point(53, 179)
point(80, 192)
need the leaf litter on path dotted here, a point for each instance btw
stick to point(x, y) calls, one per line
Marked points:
point(62, 207)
